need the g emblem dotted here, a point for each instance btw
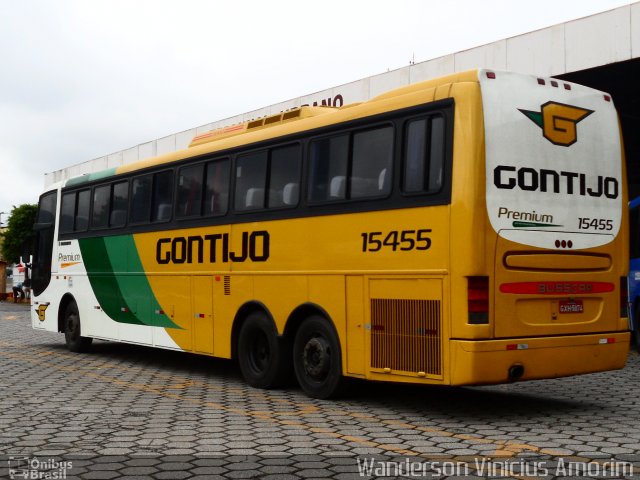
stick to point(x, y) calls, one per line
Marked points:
point(558, 122)
point(41, 309)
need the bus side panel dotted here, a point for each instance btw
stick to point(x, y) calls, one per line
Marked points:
point(467, 219)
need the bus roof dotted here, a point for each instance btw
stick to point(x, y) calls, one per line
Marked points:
point(290, 121)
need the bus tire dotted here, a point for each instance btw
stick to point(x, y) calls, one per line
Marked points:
point(72, 330)
point(262, 355)
point(316, 358)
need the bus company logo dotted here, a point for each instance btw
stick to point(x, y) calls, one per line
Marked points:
point(69, 260)
point(558, 121)
point(41, 311)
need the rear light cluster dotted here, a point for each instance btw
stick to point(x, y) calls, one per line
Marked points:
point(478, 300)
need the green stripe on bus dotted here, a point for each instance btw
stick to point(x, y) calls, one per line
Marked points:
point(518, 224)
point(90, 177)
point(124, 297)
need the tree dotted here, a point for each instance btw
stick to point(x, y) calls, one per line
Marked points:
point(18, 237)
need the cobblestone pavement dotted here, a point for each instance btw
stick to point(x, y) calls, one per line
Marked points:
point(126, 411)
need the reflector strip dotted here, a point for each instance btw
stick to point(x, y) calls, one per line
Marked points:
point(159, 312)
point(517, 346)
point(556, 288)
point(604, 341)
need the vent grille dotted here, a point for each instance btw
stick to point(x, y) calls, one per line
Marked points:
point(405, 335)
point(256, 123)
point(227, 285)
point(273, 119)
point(291, 114)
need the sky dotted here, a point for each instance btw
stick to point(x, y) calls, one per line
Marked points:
point(80, 79)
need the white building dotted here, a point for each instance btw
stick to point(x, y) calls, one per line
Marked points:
point(601, 51)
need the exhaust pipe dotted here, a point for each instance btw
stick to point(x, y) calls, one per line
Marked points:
point(515, 372)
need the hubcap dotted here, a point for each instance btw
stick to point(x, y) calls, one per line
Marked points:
point(260, 353)
point(317, 358)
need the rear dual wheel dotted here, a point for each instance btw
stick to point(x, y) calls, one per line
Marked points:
point(316, 358)
point(264, 357)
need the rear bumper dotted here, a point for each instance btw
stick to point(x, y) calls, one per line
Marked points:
point(490, 361)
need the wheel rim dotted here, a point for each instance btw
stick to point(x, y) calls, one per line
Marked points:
point(260, 353)
point(316, 358)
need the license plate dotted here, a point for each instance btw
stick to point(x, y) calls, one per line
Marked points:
point(571, 306)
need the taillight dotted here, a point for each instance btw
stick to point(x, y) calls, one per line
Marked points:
point(624, 298)
point(478, 300)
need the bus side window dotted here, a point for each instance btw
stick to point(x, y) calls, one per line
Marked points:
point(284, 176)
point(82, 211)
point(372, 159)
point(162, 196)
point(189, 197)
point(141, 199)
point(424, 155)
point(101, 201)
point(329, 160)
point(251, 177)
point(216, 196)
point(67, 212)
point(119, 204)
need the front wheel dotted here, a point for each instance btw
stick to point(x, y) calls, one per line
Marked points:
point(316, 358)
point(72, 334)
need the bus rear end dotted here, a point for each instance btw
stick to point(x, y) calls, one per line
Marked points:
point(557, 234)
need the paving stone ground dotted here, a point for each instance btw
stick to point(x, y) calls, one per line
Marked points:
point(125, 411)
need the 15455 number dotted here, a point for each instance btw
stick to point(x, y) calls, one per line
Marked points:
point(586, 223)
point(404, 240)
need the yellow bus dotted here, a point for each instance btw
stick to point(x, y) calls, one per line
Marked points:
point(465, 230)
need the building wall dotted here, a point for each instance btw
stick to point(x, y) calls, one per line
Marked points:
point(601, 39)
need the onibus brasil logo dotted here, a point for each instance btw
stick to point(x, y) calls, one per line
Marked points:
point(558, 121)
